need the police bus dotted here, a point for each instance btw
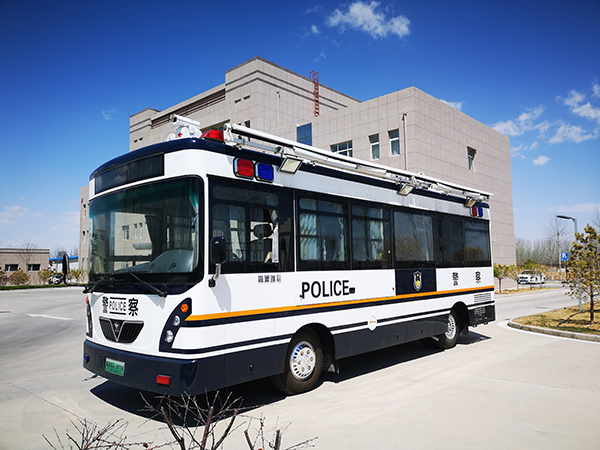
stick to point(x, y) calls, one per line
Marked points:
point(233, 255)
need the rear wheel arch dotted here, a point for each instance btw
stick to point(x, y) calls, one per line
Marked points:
point(462, 315)
point(328, 345)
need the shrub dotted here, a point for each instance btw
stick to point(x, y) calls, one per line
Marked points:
point(44, 275)
point(19, 278)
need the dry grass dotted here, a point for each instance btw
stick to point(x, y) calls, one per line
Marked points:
point(566, 319)
point(521, 290)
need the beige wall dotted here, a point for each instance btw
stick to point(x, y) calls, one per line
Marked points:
point(24, 259)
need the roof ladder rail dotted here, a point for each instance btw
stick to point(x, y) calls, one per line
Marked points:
point(233, 135)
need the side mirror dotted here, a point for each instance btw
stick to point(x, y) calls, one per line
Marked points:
point(65, 264)
point(218, 256)
point(65, 267)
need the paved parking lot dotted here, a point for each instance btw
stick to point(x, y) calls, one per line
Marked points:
point(499, 388)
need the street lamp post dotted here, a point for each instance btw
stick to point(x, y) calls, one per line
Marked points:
point(575, 227)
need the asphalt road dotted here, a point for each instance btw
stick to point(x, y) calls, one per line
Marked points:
point(500, 388)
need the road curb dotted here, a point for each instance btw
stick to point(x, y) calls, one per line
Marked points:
point(552, 332)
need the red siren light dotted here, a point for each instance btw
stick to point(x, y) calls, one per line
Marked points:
point(243, 168)
point(213, 135)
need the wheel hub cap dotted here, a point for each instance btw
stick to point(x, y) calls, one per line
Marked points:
point(302, 360)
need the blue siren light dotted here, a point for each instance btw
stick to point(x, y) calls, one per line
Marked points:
point(264, 172)
point(477, 211)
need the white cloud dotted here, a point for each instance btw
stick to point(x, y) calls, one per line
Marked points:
point(574, 133)
point(455, 105)
point(68, 222)
point(524, 123)
point(109, 114)
point(575, 102)
point(321, 56)
point(540, 160)
point(309, 32)
point(11, 213)
point(368, 18)
point(314, 9)
point(517, 152)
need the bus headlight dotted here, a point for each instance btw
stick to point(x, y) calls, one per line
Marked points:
point(176, 321)
point(90, 328)
point(169, 336)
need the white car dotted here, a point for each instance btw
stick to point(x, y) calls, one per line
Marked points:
point(57, 278)
point(531, 277)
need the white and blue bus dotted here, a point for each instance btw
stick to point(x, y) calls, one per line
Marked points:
point(221, 258)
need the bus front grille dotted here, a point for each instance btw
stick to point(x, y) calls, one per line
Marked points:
point(122, 331)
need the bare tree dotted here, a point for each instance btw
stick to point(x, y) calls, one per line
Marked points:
point(191, 420)
point(27, 247)
point(556, 233)
point(57, 251)
point(596, 218)
point(523, 250)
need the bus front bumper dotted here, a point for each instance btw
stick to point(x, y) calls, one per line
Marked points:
point(147, 373)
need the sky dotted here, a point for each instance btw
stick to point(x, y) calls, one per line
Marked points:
point(73, 72)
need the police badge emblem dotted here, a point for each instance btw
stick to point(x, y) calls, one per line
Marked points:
point(417, 281)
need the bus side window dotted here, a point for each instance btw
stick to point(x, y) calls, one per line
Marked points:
point(230, 221)
point(265, 231)
point(450, 242)
point(323, 229)
point(413, 239)
point(249, 219)
point(370, 238)
point(477, 242)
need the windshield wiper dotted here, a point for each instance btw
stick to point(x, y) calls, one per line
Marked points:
point(154, 289)
point(104, 279)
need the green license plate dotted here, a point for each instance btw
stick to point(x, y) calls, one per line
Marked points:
point(114, 367)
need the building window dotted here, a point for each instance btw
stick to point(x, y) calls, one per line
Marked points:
point(374, 140)
point(394, 142)
point(33, 267)
point(125, 232)
point(471, 152)
point(11, 267)
point(304, 134)
point(344, 148)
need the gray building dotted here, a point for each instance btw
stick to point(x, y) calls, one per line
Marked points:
point(408, 129)
point(28, 260)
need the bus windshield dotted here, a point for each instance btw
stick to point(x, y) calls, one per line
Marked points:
point(154, 230)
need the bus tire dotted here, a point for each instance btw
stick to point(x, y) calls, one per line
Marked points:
point(450, 337)
point(303, 364)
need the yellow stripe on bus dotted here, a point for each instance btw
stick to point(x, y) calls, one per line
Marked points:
point(251, 312)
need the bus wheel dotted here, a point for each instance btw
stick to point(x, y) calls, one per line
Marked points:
point(450, 337)
point(303, 364)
